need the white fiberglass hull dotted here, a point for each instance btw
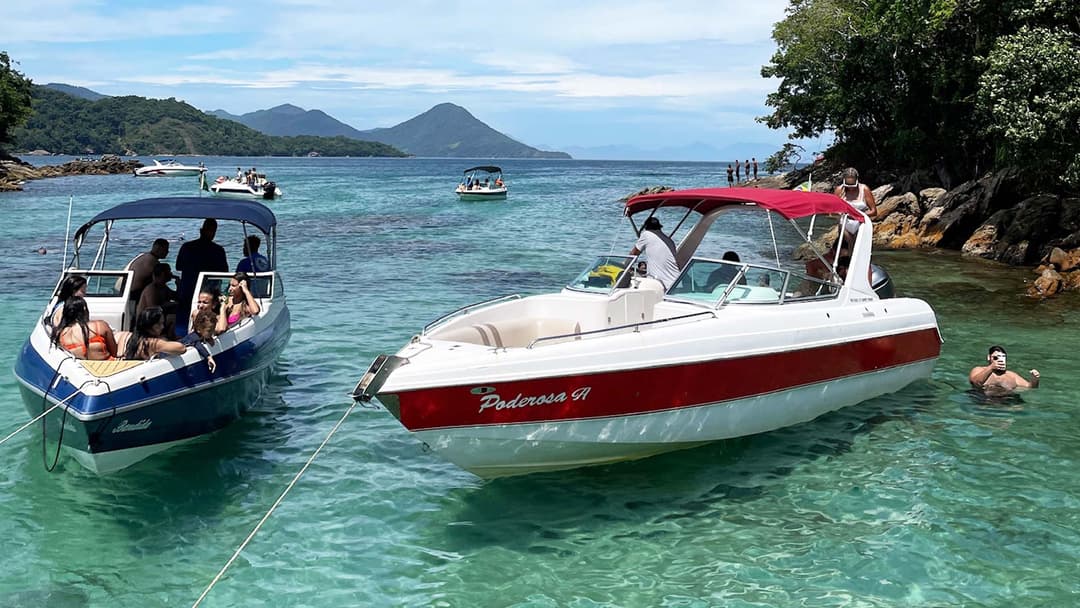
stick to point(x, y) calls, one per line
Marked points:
point(604, 398)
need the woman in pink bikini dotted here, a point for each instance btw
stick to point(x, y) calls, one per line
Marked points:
point(240, 304)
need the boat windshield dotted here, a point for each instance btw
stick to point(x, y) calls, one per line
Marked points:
point(603, 274)
point(718, 282)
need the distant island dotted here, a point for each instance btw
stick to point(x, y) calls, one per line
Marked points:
point(446, 130)
point(77, 121)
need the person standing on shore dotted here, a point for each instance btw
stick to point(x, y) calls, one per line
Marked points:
point(730, 176)
point(994, 378)
point(860, 197)
point(755, 166)
point(746, 169)
point(738, 177)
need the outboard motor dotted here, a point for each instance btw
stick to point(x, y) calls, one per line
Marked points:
point(269, 188)
point(881, 282)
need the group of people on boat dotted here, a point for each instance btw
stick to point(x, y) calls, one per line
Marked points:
point(485, 184)
point(251, 178)
point(157, 306)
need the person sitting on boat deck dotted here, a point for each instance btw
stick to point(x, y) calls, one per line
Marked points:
point(253, 261)
point(725, 272)
point(659, 250)
point(204, 328)
point(498, 182)
point(142, 267)
point(72, 285)
point(158, 293)
point(148, 338)
point(77, 334)
point(210, 298)
point(240, 304)
point(995, 379)
point(860, 197)
point(200, 255)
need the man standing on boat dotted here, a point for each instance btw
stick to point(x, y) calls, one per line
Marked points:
point(994, 378)
point(142, 267)
point(200, 255)
point(659, 249)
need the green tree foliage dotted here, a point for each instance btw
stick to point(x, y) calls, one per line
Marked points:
point(1031, 91)
point(909, 84)
point(15, 105)
point(153, 127)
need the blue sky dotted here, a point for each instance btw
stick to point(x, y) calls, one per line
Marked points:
point(646, 74)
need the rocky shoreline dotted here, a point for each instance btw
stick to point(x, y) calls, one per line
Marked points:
point(14, 172)
point(999, 216)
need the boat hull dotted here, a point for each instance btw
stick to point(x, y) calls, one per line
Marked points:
point(491, 451)
point(513, 426)
point(161, 172)
point(140, 415)
point(481, 195)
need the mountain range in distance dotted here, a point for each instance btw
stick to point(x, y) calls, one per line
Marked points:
point(448, 130)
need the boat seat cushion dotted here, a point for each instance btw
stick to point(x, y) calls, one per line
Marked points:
point(511, 334)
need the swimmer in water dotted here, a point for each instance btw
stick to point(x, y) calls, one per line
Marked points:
point(994, 379)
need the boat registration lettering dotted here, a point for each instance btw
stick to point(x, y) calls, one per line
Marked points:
point(494, 400)
point(126, 427)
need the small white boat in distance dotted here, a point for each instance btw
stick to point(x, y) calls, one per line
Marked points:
point(261, 189)
point(481, 184)
point(169, 168)
point(616, 367)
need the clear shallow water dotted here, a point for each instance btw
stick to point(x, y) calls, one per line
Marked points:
point(925, 497)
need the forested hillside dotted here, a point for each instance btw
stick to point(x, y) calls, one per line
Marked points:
point(65, 124)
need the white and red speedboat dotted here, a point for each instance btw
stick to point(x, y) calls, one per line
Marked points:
point(613, 367)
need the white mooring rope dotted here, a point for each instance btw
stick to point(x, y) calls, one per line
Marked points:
point(40, 416)
point(272, 507)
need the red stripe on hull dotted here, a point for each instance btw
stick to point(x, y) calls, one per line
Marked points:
point(639, 391)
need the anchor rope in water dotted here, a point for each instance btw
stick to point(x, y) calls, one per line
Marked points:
point(277, 502)
point(41, 415)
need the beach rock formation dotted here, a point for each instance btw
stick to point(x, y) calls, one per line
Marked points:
point(14, 172)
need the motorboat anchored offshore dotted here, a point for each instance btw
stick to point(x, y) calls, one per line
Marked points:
point(114, 413)
point(481, 184)
point(258, 188)
point(617, 367)
point(169, 168)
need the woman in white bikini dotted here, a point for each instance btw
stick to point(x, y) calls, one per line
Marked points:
point(860, 197)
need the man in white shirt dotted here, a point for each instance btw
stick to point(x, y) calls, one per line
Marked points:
point(659, 249)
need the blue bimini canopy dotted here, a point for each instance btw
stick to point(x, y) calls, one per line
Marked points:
point(251, 212)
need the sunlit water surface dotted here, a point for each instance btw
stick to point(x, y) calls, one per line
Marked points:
point(922, 498)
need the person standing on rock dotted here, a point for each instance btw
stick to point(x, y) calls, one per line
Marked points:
point(755, 167)
point(730, 176)
point(738, 179)
point(859, 196)
point(746, 169)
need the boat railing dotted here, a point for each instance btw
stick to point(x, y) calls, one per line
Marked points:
point(465, 309)
point(636, 327)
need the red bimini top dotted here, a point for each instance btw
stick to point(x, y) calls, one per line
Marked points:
point(791, 204)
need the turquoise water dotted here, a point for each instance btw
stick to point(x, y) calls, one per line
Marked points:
point(922, 498)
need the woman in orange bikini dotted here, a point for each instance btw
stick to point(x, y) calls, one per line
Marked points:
point(86, 339)
point(73, 285)
point(240, 304)
point(147, 341)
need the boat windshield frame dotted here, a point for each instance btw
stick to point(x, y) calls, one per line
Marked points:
point(597, 271)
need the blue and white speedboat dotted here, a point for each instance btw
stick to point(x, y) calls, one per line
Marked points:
point(115, 413)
